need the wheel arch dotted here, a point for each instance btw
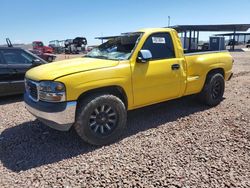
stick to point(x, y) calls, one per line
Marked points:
point(211, 72)
point(118, 91)
point(216, 70)
point(205, 94)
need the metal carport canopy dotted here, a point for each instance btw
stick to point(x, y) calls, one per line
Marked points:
point(209, 28)
point(230, 34)
point(216, 28)
point(245, 35)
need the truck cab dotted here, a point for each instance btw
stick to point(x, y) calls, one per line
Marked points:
point(38, 45)
point(93, 93)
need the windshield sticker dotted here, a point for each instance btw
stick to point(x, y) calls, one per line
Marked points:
point(158, 40)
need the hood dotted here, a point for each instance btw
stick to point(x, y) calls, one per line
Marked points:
point(52, 71)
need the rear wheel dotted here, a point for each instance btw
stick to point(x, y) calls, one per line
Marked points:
point(213, 90)
point(101, 119)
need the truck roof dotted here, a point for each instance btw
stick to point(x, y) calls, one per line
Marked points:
point(160, 29)
point(9, 48)
point(145, 30)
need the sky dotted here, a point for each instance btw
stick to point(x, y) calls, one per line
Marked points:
point(24, 21)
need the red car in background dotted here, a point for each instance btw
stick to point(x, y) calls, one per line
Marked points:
point(45, 52)
point(39, 46)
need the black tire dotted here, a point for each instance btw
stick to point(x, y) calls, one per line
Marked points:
point(104, 127)
point(213, 90)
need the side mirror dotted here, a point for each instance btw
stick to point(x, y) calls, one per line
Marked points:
point(144, 56)
point(36, 62)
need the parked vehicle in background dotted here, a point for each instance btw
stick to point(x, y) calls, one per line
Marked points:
point(68, 46)
point(61, 46)
point(232, 42)
point(205, 46)
point(45, 56)
point(38, 45)
point(57, 46)
point(75, 46)
point(94, 92)
point(80, 44)
point(248, 44)
point(54, 44)
point(14, 62)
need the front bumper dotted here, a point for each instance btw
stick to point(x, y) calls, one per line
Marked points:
point(60, 116)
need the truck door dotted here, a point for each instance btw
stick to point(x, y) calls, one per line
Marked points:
point(160, 78)
point(18, 62)
point(4, 77)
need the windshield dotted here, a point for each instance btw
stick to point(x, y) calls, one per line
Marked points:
point(117, 48)
point(38, 44)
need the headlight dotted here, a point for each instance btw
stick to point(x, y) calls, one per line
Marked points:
point(50, 91)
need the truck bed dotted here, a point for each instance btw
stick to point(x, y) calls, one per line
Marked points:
point(199, 64)
point(196, 52)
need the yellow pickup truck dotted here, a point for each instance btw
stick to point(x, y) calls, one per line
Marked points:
point(93, 93)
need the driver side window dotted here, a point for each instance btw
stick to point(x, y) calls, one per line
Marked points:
point(16, 56)
point(1, 59)
point(160, 45)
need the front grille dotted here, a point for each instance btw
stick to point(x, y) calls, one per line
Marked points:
point(32, 89)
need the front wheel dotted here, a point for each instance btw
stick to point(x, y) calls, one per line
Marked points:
point(213, 90)
point(100, 119)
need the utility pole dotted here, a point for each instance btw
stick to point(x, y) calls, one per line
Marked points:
point(169, 18)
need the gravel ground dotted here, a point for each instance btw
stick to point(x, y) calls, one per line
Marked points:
point(174, 144)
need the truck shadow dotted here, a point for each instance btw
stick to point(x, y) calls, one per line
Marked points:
point(11, 99)
point(32, 144)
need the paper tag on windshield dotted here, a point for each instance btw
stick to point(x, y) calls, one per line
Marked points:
point(158, 40)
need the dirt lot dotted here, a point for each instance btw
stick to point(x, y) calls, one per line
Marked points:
point(175, 144)
point(67, 56)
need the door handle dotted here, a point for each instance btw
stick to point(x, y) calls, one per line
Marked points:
point(175, 66)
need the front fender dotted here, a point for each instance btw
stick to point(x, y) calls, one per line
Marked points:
point(79, 83)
